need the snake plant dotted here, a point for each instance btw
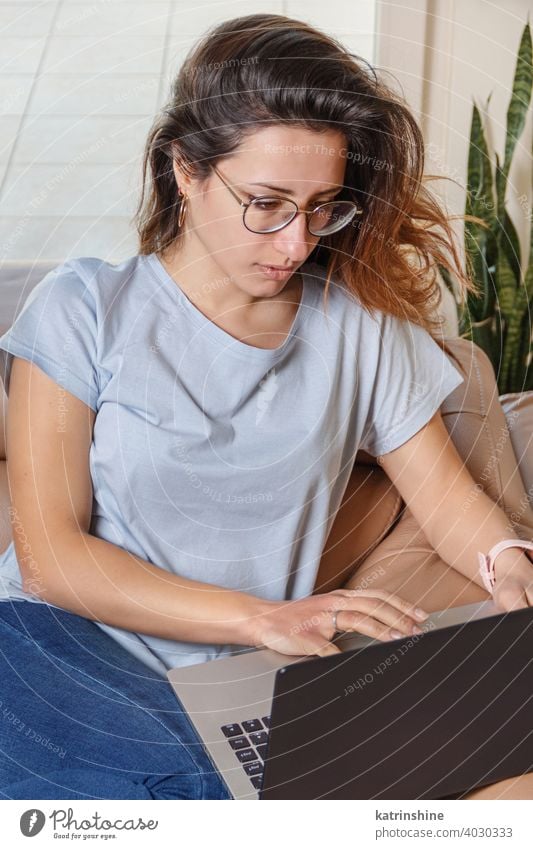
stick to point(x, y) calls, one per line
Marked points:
point(499, 317)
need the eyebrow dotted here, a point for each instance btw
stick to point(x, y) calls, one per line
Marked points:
point(289, 192)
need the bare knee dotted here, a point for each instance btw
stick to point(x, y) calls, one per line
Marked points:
point(519, 787)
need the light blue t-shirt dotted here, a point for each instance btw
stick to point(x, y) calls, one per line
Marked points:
point(213, 459)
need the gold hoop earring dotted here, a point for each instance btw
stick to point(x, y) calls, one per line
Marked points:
point(183, 209)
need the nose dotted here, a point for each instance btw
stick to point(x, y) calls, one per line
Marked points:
point(295, 241)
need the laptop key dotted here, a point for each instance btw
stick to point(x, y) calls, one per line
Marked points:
point(257, 781)
point(258, 737)
point(266, 720)
point(252, 725)
point(239, 742)
point(232, 730)
point(246, 755)
point(254, 769)
point(262, 750)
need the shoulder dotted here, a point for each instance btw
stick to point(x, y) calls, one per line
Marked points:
point(88, 287)
point(379, 336)
point(88, 276)
point(341, 302)
point(80, 295)
point(66, 285)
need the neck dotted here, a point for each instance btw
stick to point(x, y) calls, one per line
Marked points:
point(215, 291)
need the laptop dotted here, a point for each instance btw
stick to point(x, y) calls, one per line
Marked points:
point(421, 717)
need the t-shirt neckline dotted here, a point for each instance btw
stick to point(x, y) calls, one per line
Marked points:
point(216, 333)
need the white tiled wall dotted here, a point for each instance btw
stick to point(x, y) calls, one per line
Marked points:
point(80, 83)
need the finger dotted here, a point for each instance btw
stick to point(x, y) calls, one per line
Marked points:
point(510, 596)
point(402, 604)
point(343, 591)
point(363, 623)
point(418, 613)
point(319, 646)
point(380, 610)
point(529, 595)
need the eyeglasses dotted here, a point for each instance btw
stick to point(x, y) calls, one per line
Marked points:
point(269, 214)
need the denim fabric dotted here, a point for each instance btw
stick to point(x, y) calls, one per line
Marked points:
point(81, 718)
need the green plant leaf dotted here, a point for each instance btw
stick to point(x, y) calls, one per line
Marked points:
point(528, 383)
point(480, 242)
point(481, 246)
point(480, 199)
point(510, 244)
point(518, 375)
point(524, 382)
point(506, 286)
point(516, 112)
point(498, 316)
point(514, 365)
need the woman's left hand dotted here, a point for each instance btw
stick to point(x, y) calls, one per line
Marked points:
point(514, 580)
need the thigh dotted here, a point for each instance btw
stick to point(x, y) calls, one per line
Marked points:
point(76, 705)
point(519, 787)
point(370, 506)
point(407, 565)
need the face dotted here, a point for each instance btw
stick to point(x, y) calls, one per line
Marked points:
point(296, 163)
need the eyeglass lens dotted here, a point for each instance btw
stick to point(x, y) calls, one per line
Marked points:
point(269, 214)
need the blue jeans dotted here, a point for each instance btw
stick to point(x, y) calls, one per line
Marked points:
point(82, 718)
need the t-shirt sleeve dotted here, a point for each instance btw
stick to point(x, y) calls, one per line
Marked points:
point(412, 378)
point(57, 330)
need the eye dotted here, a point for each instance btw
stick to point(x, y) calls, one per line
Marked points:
point(268, 205)
point(271, 203)
point(328, 200)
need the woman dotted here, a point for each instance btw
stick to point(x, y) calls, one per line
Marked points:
point(182, 426)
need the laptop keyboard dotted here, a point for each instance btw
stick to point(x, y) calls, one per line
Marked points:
point(248, 739)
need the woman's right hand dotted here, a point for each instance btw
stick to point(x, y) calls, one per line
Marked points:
point(305, 626)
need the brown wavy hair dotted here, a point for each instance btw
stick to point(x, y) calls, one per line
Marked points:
point(264, 69)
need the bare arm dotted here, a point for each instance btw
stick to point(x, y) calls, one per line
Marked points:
point(458, 519)
point(49, 434)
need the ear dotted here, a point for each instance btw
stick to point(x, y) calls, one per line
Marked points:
point(182, 177)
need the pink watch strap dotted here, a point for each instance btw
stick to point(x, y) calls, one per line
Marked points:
point(486, 561)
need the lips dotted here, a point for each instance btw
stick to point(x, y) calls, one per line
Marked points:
point(279, 274)
point(277, 267)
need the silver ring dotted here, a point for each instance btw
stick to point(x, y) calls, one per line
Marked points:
point(334, 615)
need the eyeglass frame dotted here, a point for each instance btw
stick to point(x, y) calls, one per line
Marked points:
point(307, 212)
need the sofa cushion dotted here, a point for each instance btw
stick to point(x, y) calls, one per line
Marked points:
point(518, 409)
point(370, 507)
point(17, 279)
